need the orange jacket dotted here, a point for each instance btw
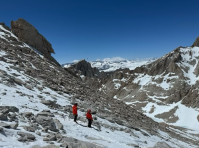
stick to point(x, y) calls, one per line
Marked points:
point(74, 109)
point(89, 116)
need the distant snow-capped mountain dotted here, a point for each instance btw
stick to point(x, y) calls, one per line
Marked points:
point(112, 64)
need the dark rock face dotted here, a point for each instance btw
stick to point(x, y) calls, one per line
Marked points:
point(85, 69)
point(196, 43)
point(29, 34)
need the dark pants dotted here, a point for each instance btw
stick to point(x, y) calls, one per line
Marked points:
point(75, 118)
point(89, 122)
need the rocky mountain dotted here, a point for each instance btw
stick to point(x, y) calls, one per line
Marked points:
point(27, 33)
point(166, 89)
point(36, 99)
point(84, 68)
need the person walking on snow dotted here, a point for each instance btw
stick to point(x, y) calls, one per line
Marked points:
point(89, 117)
point(75, 112)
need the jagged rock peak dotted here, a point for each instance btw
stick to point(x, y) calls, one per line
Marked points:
point(29, 34)
point(196, 43)
point(85, 68)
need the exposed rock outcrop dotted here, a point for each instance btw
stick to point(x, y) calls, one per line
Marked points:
point(84, 68)
point(196, 43)
point(29, 34)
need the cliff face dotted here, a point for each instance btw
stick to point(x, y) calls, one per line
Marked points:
point(196, 43)
point(28, 33)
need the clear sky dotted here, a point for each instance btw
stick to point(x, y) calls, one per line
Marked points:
point(98, 29)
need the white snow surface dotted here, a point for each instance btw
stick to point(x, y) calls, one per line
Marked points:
point(145, 79)
point(187, 116)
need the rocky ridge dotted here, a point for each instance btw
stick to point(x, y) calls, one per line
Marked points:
point(29, 34)
point(45, 93)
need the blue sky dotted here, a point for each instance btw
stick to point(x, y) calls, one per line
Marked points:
point(98, 29)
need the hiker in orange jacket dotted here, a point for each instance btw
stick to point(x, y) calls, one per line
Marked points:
point(75, 112)
point(89, 117)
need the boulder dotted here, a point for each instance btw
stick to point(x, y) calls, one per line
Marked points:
point(52, 138)
point(3, 117)
point(118, 121)
point(18, 81)
point(48, 102)
point(46, 122)
point(38, 133)
point(2, 124)
point(35, 126)
point(26, 136)
point(29, 128)
point(14, 126)
point(5, 111)
point(28, 114)
point(12, 116)
point(10, 108)
point(29, 86)
point(47, 114)
point(58, 124)
point(68, 108)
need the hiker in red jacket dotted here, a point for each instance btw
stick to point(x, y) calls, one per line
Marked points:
point(89, 117)
point(75, 112)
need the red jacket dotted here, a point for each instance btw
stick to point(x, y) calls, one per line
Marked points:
point(74, 109)
point(89, 116)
